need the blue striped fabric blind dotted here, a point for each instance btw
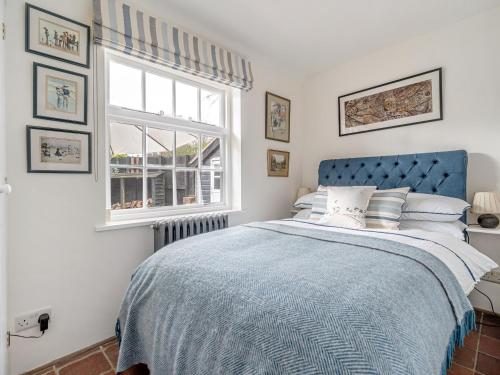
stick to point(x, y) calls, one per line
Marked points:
point(125, 28)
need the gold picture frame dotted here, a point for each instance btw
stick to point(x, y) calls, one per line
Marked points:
point(278, 163)
point(277, 118)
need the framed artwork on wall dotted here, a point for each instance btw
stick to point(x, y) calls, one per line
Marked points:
point(408, 101)
point(58, 151)
point(51, 35)
point(59, 95)
point(278, 163)
point(277, 118)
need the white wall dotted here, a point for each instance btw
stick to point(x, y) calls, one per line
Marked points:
point(470, 56)
point(55, 256)
point(3, 206)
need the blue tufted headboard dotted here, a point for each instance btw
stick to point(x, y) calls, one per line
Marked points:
point(442, 173)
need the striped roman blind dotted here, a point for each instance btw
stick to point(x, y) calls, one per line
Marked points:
point(125, 28)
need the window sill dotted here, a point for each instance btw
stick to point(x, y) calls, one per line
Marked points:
point(135, 223)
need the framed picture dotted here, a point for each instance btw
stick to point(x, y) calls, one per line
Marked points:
point(277, 163)
point(408, 101)
point(49, 34)
point(277, 118)
point(58, 151)
point(59, 95)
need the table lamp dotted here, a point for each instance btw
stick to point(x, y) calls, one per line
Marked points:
point(486, 204)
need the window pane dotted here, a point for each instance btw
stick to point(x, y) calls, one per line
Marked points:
point(125, 146)
point(186, 150)
point(211, 186)
point(186, 187)
point(126, 188)
point(125, 86)
point(210, 107)
point(160, 188)
point(159, 146)
point(158, 94)
point(186, 101)
point(210, 151)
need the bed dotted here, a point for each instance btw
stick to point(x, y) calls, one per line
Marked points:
point(294, 297)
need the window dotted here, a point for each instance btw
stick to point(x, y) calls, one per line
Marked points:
point(167, 141)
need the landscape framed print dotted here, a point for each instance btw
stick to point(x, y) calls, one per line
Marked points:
point(408, 101)
point(277, 118)
point(58, 151)
point(49, 34)
point(59, 95)
point(278, 163)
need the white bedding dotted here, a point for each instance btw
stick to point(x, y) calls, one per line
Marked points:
point(457, 255)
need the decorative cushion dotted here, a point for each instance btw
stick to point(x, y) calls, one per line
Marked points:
point(385, 207)
point(319, 203)
point(431, 207)
point(346, 206)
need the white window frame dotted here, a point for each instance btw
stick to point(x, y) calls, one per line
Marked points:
point(114, 114)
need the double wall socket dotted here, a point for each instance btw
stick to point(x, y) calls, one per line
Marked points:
point(30, 320)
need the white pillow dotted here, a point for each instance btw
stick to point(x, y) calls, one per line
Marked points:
point(305, 201)
point(346, 206)
point(303, 214)
point(454, 228)
point(431, 207)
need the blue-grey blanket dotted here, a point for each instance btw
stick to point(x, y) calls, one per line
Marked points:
point(271, 299)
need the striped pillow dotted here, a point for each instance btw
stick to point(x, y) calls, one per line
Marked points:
point(385, 208)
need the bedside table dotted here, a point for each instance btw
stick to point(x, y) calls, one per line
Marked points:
point(487, 241)
point(494, 276)
point(474, 228)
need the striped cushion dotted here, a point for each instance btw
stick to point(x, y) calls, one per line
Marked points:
point(319, 204)
point(385, 208)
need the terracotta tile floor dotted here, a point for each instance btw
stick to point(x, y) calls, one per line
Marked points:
point(99, 361)
point(481, 352)
point(479, 356)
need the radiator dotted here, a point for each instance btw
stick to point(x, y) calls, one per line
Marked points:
point(171, 230)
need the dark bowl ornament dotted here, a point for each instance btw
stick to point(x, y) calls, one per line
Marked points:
point(488, 221)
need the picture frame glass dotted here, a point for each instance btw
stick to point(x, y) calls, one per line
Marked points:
point(55, 36)
point(59, 95)
point(277, 118)
point(412, 100)
point(52, 150)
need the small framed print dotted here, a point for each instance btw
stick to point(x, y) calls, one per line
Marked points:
point(49, 34)
point(58, 151)
point(277, 163)
point(59, 95)
point(277, 118)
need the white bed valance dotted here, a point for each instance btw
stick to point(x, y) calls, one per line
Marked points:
point(126, 28)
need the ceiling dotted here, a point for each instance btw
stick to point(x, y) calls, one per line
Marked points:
point(313, 35)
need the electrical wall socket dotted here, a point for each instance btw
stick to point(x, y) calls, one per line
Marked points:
point(493, 276)
point(30, 320)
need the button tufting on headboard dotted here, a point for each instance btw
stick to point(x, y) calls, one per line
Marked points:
point(443, 173)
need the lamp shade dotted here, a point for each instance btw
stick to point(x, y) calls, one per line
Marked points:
point(303, 191)
point(486, 203)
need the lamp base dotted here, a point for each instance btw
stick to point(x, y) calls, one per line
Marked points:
point(488, 221)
